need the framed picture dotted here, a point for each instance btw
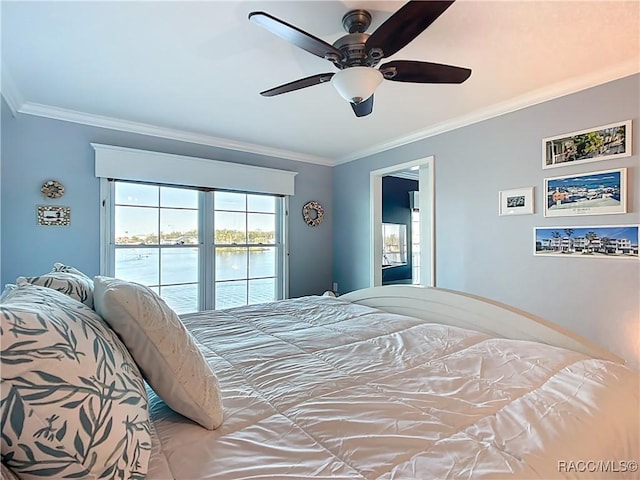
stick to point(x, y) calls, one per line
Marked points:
point(604, 241)
point(590, 145)
point(592, 193)
point(49, 215)
point(518, 201)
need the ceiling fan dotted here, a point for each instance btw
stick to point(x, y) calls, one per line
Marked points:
point(357, 53)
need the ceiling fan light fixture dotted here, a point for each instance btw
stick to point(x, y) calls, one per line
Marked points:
point(356, 84)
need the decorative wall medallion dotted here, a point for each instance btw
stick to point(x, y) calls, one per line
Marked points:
point(313, 213)
point(49, 215)
point(52, 189)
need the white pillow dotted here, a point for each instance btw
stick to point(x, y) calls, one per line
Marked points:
point(73, 402)
point(162, 347)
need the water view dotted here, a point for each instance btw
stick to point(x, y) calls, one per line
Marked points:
point(243, 275)
point(157, 236)
point(585, 190)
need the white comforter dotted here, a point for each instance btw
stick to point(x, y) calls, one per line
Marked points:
point(320, 388)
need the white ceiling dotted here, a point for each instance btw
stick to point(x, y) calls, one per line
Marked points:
point(193, 70)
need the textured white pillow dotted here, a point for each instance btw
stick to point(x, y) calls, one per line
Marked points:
point(162, 347)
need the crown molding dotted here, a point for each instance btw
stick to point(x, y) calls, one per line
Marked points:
point(10, 93)
point(18, 105)
point(66, 115)
point(557, 90)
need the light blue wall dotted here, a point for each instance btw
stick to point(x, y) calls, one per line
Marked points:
point(479, 252)
point(36, 149)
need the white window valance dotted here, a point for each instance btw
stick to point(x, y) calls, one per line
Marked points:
point(154, 167)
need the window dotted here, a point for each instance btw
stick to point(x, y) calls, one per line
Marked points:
point(415, 246)
point(245, 249)
point(394, 241)
point(197, 250)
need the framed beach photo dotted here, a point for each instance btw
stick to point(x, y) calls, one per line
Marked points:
point(590, 145)
point(591, 193)
point(603, 241)
point(518, 201)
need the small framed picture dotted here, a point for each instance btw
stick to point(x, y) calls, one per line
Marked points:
point(49, 215)
point(518, 201)
point(592, 193)
point(590, 145)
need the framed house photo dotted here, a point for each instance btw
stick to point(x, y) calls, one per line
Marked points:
point(591, 193)
point(603, 241)
point(590, 145)
point(518, 201)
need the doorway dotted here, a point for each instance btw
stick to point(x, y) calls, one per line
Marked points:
point(422, 170)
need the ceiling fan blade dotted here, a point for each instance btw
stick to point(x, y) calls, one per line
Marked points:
point(423, 72)
point(298, 84)
point(403, 26)
point(294, 35)
point(363, 109)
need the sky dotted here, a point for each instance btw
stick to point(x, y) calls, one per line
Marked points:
point(607, 179)
point(137, 210)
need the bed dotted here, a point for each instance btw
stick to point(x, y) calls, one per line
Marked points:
point(391, 383)
point(394, 382)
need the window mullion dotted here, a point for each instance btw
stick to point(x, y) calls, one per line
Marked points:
point(207, 248)
point(282, 241)
point(159, 230)
point(246, 239)
point(107, 228)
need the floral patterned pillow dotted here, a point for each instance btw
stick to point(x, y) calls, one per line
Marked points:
point(6, 474)
point(73, 403)
point(67, 280)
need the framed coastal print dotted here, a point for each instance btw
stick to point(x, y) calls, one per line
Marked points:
point(592, 193)
point(602, 241)
point(590, 145)
point(518, 201)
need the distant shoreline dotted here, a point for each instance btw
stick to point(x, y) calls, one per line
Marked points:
point(595, 203)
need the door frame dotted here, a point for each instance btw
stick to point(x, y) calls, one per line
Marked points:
point(426, 174)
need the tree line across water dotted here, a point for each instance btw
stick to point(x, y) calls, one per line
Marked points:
point(222, 236)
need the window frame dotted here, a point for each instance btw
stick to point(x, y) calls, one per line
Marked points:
point(206, 239)
point(279, 243)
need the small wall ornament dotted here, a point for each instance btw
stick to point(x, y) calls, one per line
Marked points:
point(313, 213)
point(52, 189)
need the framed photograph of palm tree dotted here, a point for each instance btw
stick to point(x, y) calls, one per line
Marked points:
point(589, 145)
point(603, 241)
point(592, 193)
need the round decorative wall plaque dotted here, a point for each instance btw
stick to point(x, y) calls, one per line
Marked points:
point(52, 189)
point(313, 213)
